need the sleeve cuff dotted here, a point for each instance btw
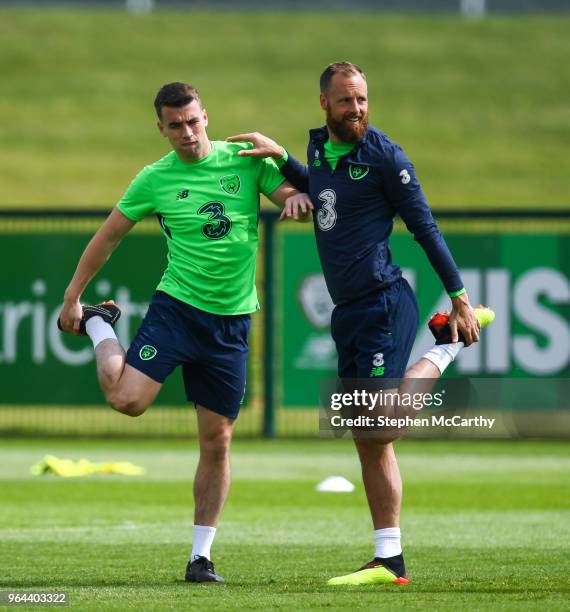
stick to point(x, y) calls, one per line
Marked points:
point(453, 294)
point(129, 215)
point(282, 160)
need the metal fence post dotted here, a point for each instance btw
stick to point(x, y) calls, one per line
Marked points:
point(269, 325)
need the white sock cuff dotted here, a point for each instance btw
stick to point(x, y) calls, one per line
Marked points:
point(202, 539)
point(204, 529)
point(388, 542)
point(441, 355)
point(99, 330)
point(390, 532)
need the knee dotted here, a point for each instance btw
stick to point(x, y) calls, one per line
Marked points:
point(126, 404)
point(372, 449)
point(216, 444)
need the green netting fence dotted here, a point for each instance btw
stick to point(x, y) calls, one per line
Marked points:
point(517, 262)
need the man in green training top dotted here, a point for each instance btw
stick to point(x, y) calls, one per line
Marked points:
point(206, 199)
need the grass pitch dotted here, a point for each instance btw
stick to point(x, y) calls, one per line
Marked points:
point(481, 107)
point(485, 525)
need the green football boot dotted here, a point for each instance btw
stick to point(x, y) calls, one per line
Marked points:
point(375, 572)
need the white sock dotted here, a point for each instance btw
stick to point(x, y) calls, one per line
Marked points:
point(202, 538)
point(387, 542)
point(99, 330)
point(441, 355)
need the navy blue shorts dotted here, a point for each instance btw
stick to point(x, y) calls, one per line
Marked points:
point(374, 335)
point(212, 350)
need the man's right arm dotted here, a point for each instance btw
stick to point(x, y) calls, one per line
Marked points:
point(96, 253)
point(406, 196)
point(293, 170)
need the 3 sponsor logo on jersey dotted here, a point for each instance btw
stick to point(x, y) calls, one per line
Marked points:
point(219, 224)
point(378, 359)
point(377, 365)
point(182, 195)
point(326, 217)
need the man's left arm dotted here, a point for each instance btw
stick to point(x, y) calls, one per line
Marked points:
point(262, 146)
point(293, 204)
point(406, 195)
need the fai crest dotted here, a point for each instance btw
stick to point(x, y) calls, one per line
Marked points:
point(230, 184)
point(358, 172)
point(147, 352)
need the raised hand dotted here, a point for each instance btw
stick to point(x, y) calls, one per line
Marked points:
point(462, 318)
point(262, 145)
point(297, 207)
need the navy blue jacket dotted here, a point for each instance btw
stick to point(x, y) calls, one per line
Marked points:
point(354, 214)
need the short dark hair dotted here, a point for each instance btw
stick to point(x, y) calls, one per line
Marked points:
point(175, 95)
point(346, 68)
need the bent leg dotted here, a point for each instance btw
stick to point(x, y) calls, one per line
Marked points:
point(127, 390)
point(418, 381)
point(212, 480)
point(132, 380)
point(133, 393)
point(423, 368)
point(110, 357)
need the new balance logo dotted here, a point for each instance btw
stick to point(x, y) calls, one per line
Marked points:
point(182, 195)
point(377, 372)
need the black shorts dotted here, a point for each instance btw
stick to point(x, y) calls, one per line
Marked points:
point(374, 335)
point(212, 350)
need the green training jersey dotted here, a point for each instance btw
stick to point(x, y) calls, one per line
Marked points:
point(208, 211)
point(333, 152)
